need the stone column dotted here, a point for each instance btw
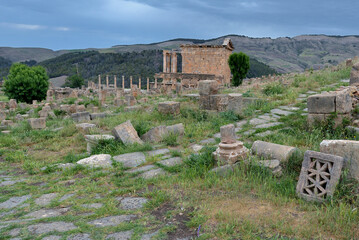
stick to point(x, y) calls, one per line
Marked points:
point(168, 63)
point(155, 82)
point(174, 62)
point(99, 82)
point(130, 82)
point(123, 82)
point(139, 83)
point(106, 81)
point(164, 61)
point(115, 81)
point(148, 84)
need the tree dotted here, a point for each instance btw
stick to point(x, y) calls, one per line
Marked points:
point(26, 84)
point(74, 81)
point(239, 65)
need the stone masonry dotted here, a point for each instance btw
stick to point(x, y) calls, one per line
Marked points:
point(322, 106)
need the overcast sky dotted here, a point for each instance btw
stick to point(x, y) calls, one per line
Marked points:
point(71, 24)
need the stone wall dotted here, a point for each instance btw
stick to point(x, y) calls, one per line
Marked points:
point(199, 59)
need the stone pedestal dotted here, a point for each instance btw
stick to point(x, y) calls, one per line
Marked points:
point(230, 153)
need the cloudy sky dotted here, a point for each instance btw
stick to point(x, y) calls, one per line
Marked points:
point(71, 24)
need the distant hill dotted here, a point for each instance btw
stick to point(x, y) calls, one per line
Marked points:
point(282, 54)
point(137, 64)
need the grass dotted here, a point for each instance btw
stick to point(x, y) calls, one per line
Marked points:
point(250, 203)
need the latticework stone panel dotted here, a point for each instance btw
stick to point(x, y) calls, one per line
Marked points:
point(319, 175)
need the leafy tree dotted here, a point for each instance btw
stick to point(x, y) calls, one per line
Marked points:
point(26, 84)
point(74, 81)
point(239, 65)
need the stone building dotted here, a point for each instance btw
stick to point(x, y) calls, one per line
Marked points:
point(199, 62)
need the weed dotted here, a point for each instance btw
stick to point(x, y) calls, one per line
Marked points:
point(114, 147)
point(170, 139)
point(273, 89)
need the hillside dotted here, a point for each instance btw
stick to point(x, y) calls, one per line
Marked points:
point(283, 54)
point(137, 64)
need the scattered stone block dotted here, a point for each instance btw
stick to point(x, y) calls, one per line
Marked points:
point(52, 237)
point(126, 133)
point(155, 134)
point(196, 147)
point(177, 129)
point(93, 205)
point(100, 160)
point(209, 141)
point(169, 107)
point(235, 102)
point(343, 102)
point(47, 213)
point(81, 116)
point(7, 123)
point(130, 203)
point(347, 149)
point(2, 116)
point(42, 228)
point(208, 87)
point(112, 220)
point(280, 112)
point(218, 102)
point(119, 102)
point(37, 123)
point(257, 121)
point(12, 104)
point(319, 175)
point(354, 74)
point(268, 125)
point(132, 108)
point(93, 140)
point(85, 127)
point(131, 160)
point(273, 165)
point(269, 150)
point(94, 116)
point(228, 134)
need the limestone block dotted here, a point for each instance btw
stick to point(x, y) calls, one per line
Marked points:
point(208, 87)
point(80, 108)
point(119, 102)
point(354, 74)
point(81, 116)
point(93, 140)
point(228, 134)
point(155, 134)
point(321, 103)
point(100, 160)
point(2, 116)
point(85, 127)
point(169, 107)
point(269, 150)
point(204, 102)
point(235, 102)
point(3, 105)
point(37, 123)
point(347, 149)
point(97, 115)
point(175, 129)
point(43, 113)
point(319, 175)
point(343, 102)
point(126, 133)
point(130, 100)
point(131, 160)
point(315, 118)
point(12, 104)
point(218, 102)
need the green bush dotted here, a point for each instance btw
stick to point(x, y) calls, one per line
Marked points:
point(200, 164)
point(171, 139)
point(239, 65)
point(273, 89)
point(26, 84)
point(74, 81)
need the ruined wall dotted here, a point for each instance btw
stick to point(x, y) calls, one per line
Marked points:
point(206, 60)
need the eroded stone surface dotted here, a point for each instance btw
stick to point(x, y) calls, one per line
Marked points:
point(131, 159)
point(52, 237)
point(141, 169)
point(66, 196)
point(133, 202)
point(120, 235)
point(171, 162)
point(46, 213)
point(153, 173)
point(14, 201)
point(92, 205)
point(268, 125)
point(45, 199)
point(81, 236)
point(158, 152)
point(112, 220)
point(100, 160)
point(49, 227)
point(280, 112)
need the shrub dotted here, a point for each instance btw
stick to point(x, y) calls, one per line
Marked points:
point(26, 84)
point(74, 81)
point(171, 139)
point(239, 65)
point(273, 89)
point(200, 164)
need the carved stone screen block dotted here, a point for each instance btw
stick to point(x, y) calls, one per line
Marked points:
point(319, 175)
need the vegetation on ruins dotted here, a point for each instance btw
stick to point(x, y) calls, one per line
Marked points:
point(239, 65)
point(74, 81)
point(25, 83)
point(248, 203)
